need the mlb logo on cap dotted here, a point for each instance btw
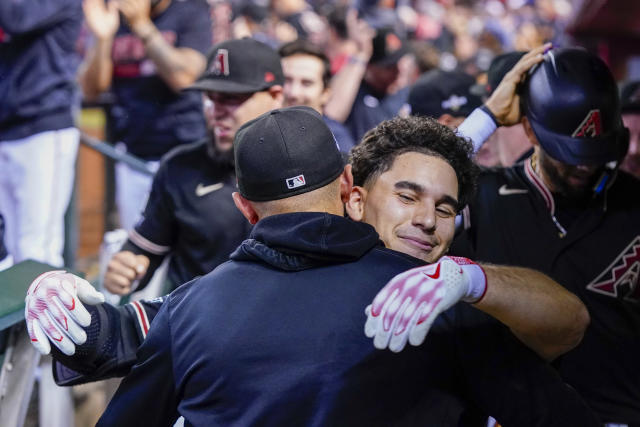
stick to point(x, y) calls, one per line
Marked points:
point(295, 182)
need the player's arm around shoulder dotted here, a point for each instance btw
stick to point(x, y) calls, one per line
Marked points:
point(539, 311)
point(151, 381)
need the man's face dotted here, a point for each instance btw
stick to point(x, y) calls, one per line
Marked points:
point(568, 180)
point(571, 181)
point(303, 83)
point(631, 162)
point(413, 206)
point(226, 112)
point(381, 77)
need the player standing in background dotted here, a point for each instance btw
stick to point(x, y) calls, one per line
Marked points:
point(190, 214)
point(362, 91)
point(146, 59)
point(39, 144)
point(567, 212)
point(38, 140)
point(307, 75)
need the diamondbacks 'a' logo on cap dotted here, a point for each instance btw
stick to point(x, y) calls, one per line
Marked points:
point(621, 279)
point(392, 43)
point(590, 127)
point(295, 182)
point(220, 63)
point(454, 102)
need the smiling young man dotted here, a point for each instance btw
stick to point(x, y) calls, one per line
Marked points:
point(412, 176)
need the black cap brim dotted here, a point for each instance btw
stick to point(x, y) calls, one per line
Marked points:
point(225, 86)
point(391, 59)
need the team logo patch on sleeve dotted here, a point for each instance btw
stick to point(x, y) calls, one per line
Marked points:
point(620, 279)
point(295, 182)
point(590, 127)
point(220, 64)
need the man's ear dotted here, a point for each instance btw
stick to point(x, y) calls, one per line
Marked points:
point(346, 184)
point(528, 130)
point(277, 94)
point(355, 205)
point(245, 207)
point(446, 119)
point(324, 97)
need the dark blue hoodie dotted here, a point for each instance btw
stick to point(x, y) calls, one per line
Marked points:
point(38, 65)
point(275, 337)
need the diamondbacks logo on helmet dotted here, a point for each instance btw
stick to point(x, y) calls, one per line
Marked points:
point(220, 64)
point(620, 279)
point(590, 127)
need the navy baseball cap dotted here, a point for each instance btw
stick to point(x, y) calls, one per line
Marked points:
point(571, 101)
point(439, 92)
point(499, 67)
point(285, 152)
point(240, 66)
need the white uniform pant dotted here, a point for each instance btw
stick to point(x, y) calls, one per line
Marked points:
point(132, 191)
point(36, 180)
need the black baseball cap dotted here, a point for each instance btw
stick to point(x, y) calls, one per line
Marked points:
point(499, 67)
point(439, 92)
point(240, 66)
point(630, 97)
point(388, 47)
point(285, 152)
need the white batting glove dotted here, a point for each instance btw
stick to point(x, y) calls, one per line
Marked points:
point(407, 306)
point(54, 311)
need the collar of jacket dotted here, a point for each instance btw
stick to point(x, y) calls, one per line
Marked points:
point(298, 241)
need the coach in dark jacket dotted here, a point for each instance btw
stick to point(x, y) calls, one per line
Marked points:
point(274, 336)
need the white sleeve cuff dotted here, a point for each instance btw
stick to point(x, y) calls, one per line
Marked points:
point(478, 127)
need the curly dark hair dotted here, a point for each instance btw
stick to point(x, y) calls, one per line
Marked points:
point(381, 145)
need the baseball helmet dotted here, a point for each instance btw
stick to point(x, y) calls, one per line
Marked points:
point(571, 100)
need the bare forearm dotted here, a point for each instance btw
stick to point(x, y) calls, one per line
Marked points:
point(541, 313)
point(178, 67)
point(96, 72)
point(344, 89)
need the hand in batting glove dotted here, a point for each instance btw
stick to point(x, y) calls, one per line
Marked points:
point(54, 311)
point(407, 306)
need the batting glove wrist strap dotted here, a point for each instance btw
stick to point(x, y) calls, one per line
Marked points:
point(476, 279)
